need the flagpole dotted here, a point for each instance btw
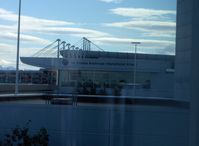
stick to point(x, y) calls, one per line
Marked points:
point(18, 46)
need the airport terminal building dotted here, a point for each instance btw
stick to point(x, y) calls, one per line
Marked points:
point(87, 71)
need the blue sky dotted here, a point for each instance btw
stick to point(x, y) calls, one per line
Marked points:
point(111, 24)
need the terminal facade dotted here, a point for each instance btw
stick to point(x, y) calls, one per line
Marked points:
point(85, 71)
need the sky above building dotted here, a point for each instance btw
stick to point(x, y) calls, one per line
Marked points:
point(111, 24)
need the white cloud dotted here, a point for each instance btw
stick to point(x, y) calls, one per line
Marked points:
point(158, 25)
point(72, 31)
point(141, 13)
point(5, 46)
point(41, 26)
point(6, 53)
point(159, 33)
point(7, 28)
point(150, 22)
point(4, 62)
point(111, 1)
point(7, 15)
point(147, 45)
point(27, 38)
point(144, 42)
point(149, 28)
point(28, 25)
point(27, 20)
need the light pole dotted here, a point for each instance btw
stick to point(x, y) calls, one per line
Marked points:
point(18, 46)
point(58, 56)
point(135, 66)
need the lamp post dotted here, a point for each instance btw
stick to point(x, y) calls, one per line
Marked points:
point(18, 46)
point(58, 56)
point(135, 65)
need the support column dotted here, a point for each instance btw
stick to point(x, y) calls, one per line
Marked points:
point(194, 111)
